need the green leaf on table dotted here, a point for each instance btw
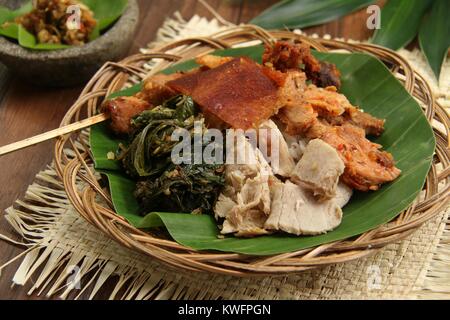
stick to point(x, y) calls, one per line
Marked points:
point(105, 12)
point(434, 35)
point(408, 136)
point(400, 22)
point(306, 13)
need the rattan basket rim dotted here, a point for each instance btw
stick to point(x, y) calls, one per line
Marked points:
point(73, 162)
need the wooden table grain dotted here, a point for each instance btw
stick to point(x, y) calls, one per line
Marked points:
point(26, 110)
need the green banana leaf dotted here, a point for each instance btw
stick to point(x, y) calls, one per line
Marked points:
point(7, 14)
point(368, 84)
point(400, 22)
point(434, 35)
point(105, 12)
point(28, 40)
point(306, 13)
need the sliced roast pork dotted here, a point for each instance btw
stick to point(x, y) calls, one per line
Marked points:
point(245, 202)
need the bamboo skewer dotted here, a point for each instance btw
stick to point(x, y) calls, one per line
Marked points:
point(53, 134)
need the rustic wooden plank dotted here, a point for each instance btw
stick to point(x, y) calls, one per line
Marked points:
point(4, 80)
point(25, 111)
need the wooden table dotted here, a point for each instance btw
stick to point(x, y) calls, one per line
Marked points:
point(26, 110)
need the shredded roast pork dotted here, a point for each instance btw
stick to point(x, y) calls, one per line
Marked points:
point(245, 202)
point(256, 202)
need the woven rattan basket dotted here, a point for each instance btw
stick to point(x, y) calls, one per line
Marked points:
point(74, 164)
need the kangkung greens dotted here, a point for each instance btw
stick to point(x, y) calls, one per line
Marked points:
point(161, 184)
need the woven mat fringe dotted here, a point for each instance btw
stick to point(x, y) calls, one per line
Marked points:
point(67, 257)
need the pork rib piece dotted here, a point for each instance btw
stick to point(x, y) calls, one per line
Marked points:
point(337, 110)
point(153, 93)
point(122, 110)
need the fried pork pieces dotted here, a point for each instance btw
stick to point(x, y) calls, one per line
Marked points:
point(326, 114)
point(242, 94)
point(239, 93)
point(122, 110)
point(284, 56)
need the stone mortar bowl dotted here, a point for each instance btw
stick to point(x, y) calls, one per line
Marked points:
point(73, 66)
